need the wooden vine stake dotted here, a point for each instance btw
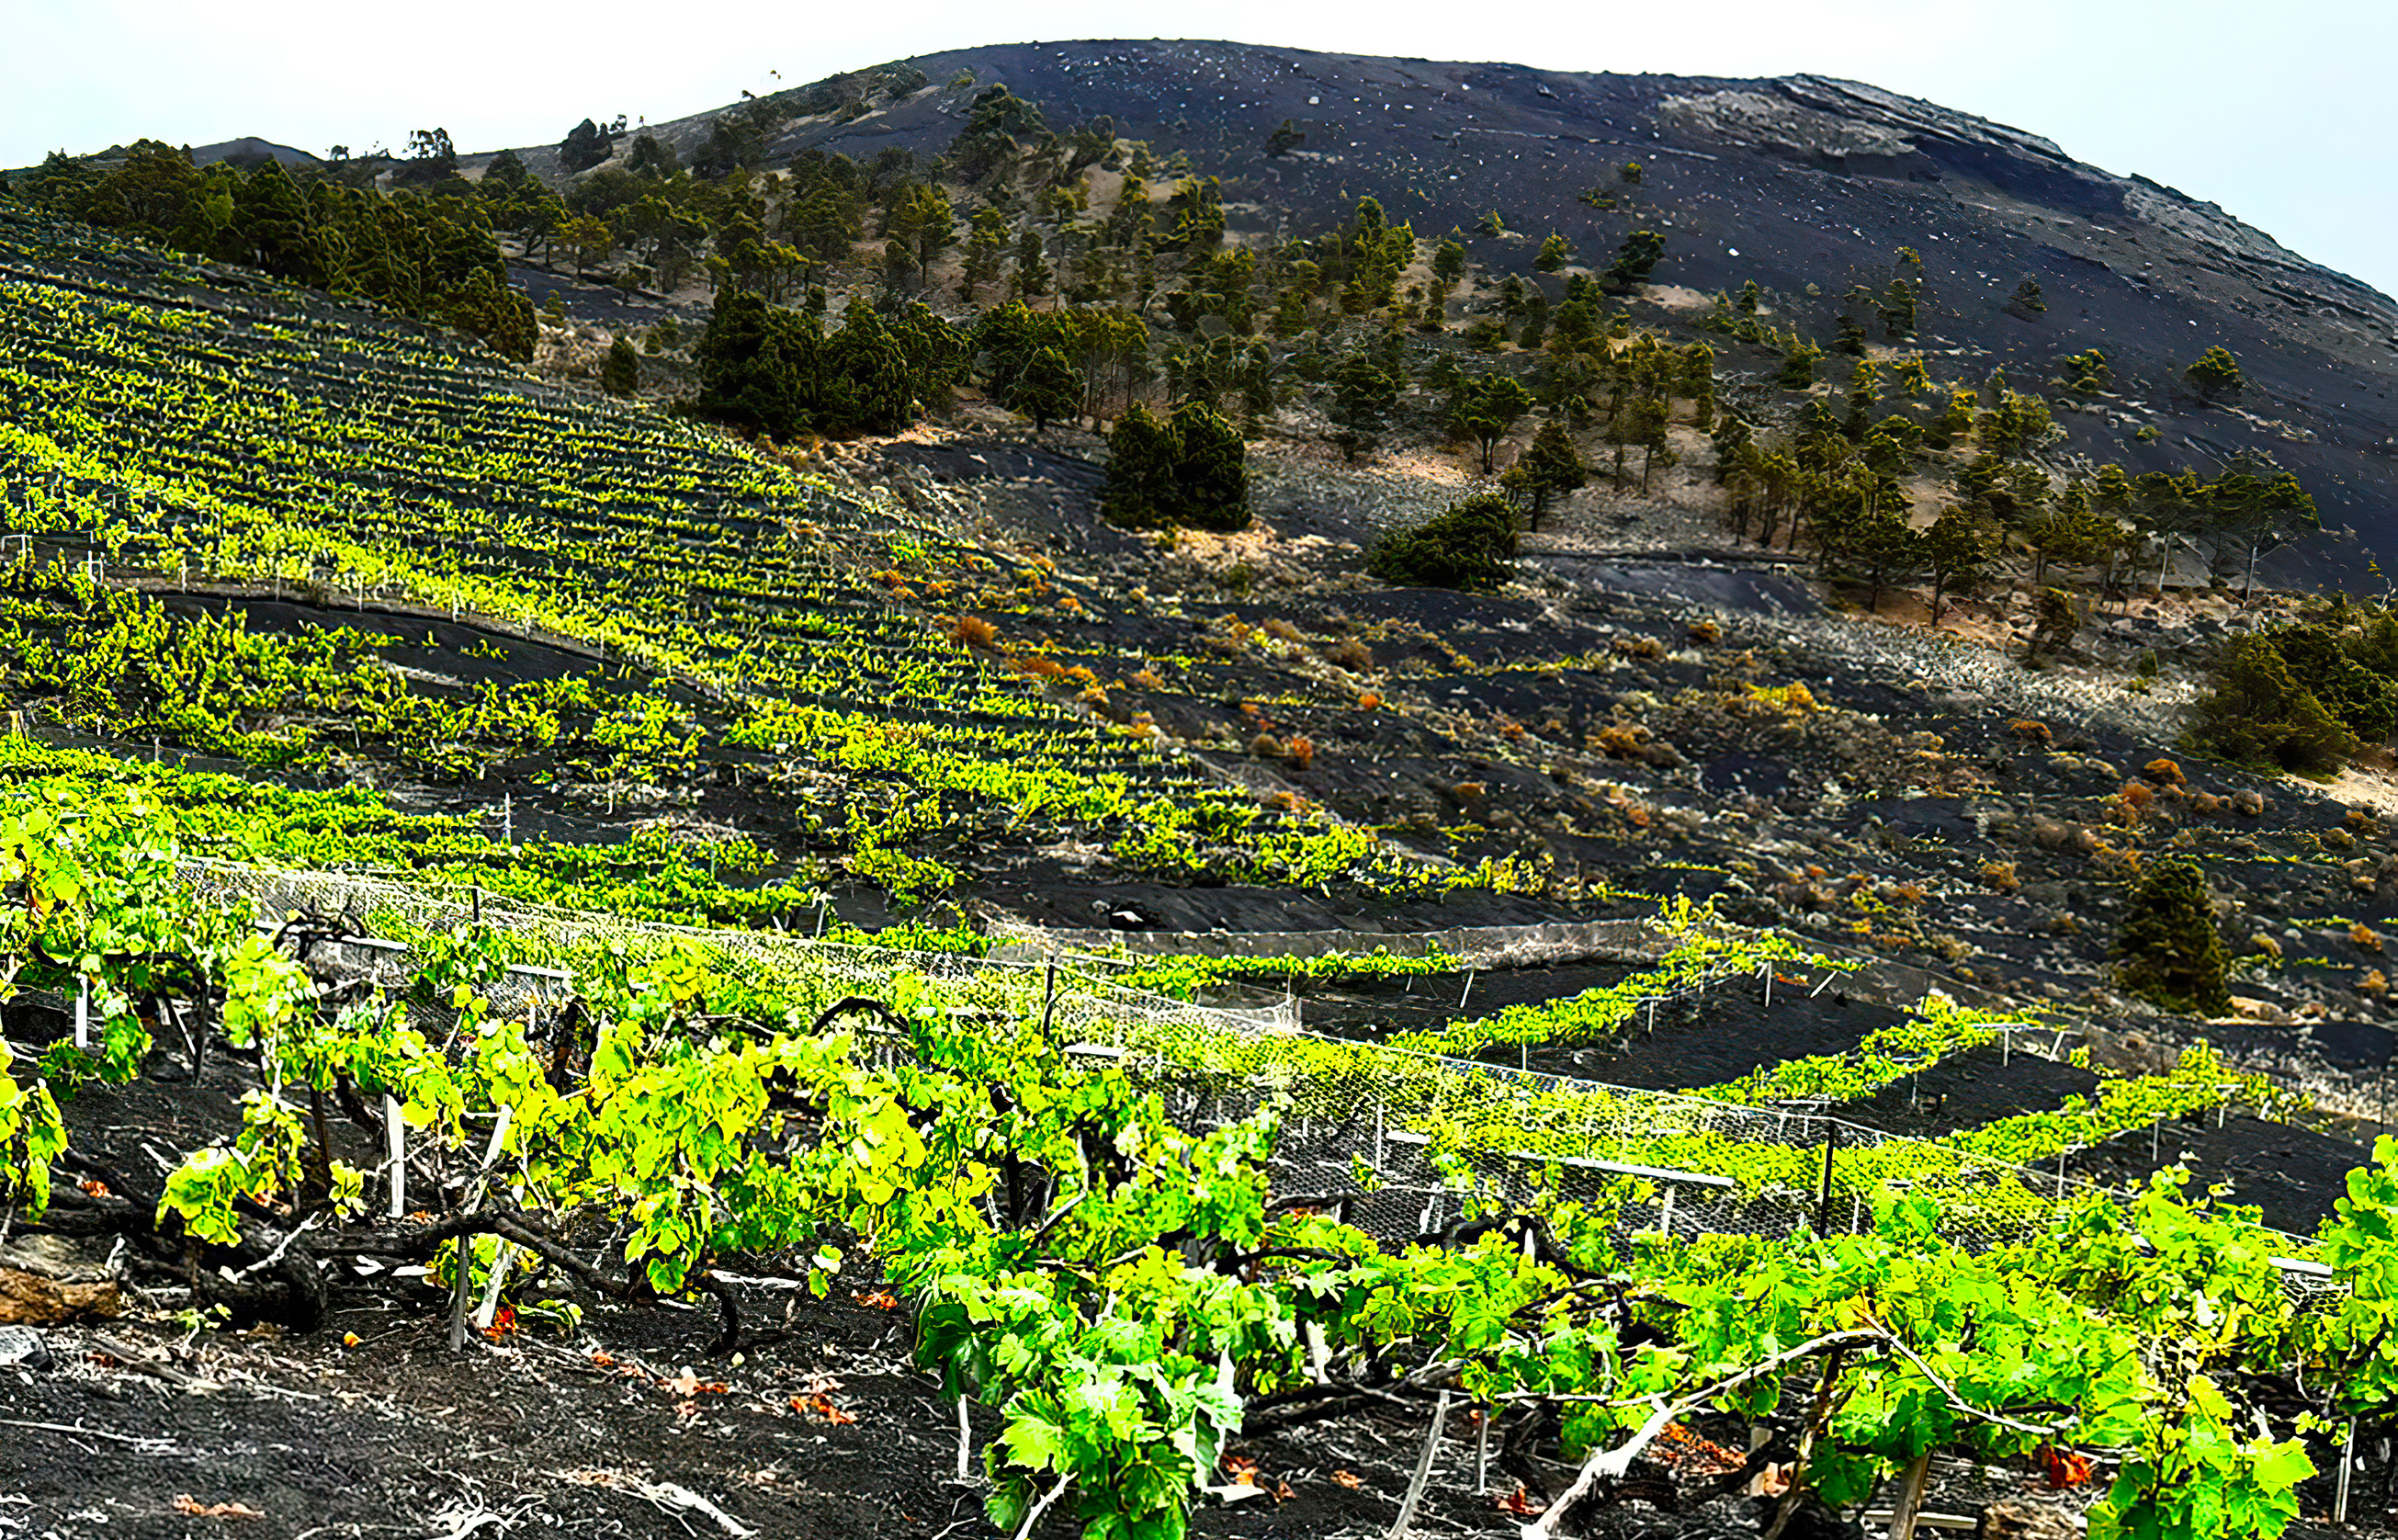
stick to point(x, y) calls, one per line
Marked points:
point(1406, 1518)
point(1910, 1497)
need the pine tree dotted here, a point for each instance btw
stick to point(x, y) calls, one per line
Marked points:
point(986, 248)
point(1955, 554)
point(621, 375)
point(1551, 466)
point(1033, 274)
point(1142, 456)
point(1898, 310)
point(585, 145)
point(1047, 389)
point(1363, 391)
point(1212, 469)
point(1556, 252)
point(272, 216)
point(2168, 949)
point(1877, 547)
point(1485, 407)
point(1633, 260)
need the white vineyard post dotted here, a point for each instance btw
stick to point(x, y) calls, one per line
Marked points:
point(490, 1309)
point(83, 1014)
point(2347, 1468)
point(394, 1134)
point(464, 1256)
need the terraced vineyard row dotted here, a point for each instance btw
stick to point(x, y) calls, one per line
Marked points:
point(1032, 1198)
point(292, 442)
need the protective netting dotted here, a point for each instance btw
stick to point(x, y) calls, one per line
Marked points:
point(547, 945)
point(1396, 1142)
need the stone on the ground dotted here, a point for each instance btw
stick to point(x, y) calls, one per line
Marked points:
point(42, 1282)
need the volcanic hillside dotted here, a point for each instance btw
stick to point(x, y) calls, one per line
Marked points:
point(1799, 182)
point(1880, 913)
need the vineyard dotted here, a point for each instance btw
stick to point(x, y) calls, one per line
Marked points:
point(708, 614)
point(489, 978)
point(1139, 1229)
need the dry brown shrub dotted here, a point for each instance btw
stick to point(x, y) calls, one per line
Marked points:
point(1351, 653)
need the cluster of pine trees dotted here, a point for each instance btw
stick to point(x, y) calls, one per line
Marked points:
point(1092, 306)
point(430, 253)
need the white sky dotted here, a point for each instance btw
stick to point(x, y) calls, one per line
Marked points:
point(2282, 113)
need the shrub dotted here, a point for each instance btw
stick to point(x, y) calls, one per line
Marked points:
point(2168, 950)
point(1352, 655)
point(2215, 375)
point(1470, 544)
